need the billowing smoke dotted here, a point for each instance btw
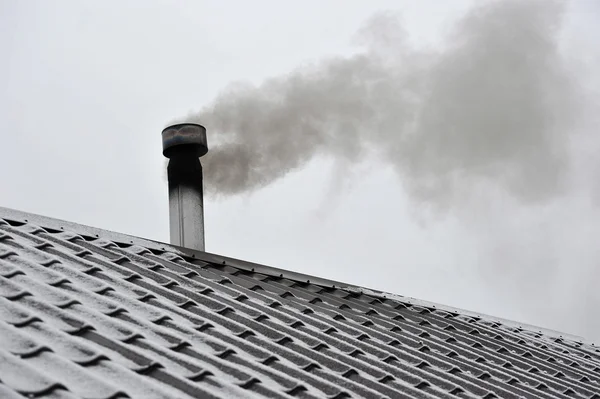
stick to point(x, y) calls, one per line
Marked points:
point(491, 117)
point(491, 109)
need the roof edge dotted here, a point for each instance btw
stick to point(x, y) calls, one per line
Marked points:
point(89, 231)
point(195, 255)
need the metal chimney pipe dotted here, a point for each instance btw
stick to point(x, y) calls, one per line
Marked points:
point(184, 144)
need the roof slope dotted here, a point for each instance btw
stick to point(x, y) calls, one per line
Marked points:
point(87, 313)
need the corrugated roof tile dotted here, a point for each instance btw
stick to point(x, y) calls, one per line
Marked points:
point(143, 319)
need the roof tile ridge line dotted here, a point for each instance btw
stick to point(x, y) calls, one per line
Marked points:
point(573, 356)
point(550, 350)
point(459, 349)
point(80, 229)
point(94, 232)
point(57, 224)
point(465, 312)
point(493, 353)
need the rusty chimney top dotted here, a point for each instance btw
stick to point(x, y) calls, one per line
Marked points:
point(184, 144)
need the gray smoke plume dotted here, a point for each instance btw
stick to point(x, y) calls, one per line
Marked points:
point(492, 108)
point(488, 125)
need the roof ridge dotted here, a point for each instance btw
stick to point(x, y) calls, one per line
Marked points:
point(191, 254)
point(199, 256)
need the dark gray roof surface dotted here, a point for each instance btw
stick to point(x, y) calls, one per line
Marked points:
point(96, 314)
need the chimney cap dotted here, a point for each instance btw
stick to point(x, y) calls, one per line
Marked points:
point(190, 135)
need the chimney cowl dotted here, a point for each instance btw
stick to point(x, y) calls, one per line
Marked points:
point(184, 144)
point(190, 135)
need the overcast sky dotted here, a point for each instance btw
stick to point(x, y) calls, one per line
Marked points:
point(86, 88)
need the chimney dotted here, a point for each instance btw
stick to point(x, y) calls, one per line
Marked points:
point(184, 144)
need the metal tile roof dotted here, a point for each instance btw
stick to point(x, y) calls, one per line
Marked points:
point(96, 314)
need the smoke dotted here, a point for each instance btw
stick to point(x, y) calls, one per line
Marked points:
point(493, 126)
point(492, 109)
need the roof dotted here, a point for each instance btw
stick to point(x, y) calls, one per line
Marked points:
point(95, 314)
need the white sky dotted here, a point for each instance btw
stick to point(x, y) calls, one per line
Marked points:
point(86, 88)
